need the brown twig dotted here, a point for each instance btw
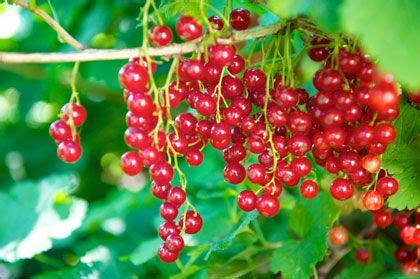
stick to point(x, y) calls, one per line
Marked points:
point(51, 22)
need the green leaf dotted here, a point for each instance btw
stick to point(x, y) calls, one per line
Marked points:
point(323, 12)
point(402, 160)
point(388, 30)
point(145, 251)
point(227, 239)
point(295, 258)
point(369, 271)
point(37, 213)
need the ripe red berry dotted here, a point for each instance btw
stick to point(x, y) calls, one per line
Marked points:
point(216, 22)
point(385, 133)
point(133, 77)
point(176, 196)
point(256, 173)
point(247, 200)
point(268, 205)
point(363, 255)
point(373, 200)
point(221, 55)
point(401, 220)
point(240, 19)
point(162, 172)
point(237, 65)
point(160, 35)
point(167, 228)
point(382, 218)
point(234, 173)
point(328, 80)
point(387, 186)
point(403, 255)
point(188, 28)
point(341, 189)
point(338, 236)
point(78, 113)
point(60, 131)
point(371, 163)
point(160, 190)
point(168, 211)
point(69, 151)
point(167, 256)
point(254, 79)
point(309, 189)
point(131, 163)
point(193, 222)
point(174, 243)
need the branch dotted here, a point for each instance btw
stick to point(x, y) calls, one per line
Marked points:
point(116, 54)
point(51, 22)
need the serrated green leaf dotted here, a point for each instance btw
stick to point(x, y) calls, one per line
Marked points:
point(369, 271)
point(397, 52)
point(34, 218)
point(295, 258)
point(402, 160)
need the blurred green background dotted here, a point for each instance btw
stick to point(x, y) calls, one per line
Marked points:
point(88, 219)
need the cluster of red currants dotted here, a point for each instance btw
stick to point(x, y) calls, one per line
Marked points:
point(64, 132)
point(406, 254)
point(352, 113)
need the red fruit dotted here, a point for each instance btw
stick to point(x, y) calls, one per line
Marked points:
point(411, 268)
point(403, 255)
point(373, 200)
point(256, 173)
point(371, 163)
point(160, 35)
point(194, 69)
point(237, 65)
point(194, 157)
point(167, 256)
point(309, 189)
point(401, 220)
point(256, 144)
point(240, 19)
point(268, 205)
point(332, 165)
point(160, 190)
point(234, 173)
point(232, 87)
point(302, 166)
point(383, 98)
point(387, 186)
point(287, 175)
point(254, 79)
point(168, 211)
point(410, 235)
point(247, 200)
point(131, 163)
point(341, 189)
point(221, 55)
point(384, 133)
point(363, 255)
point(328, 80)
point(205, 105)
point(285, 96)
point(69, 151)
point(338, 236)
point(141, 104)
point(349, 161)
point(188, 28)
point(174, 243)
point(216, 22)
point(137, 139)
point(161, 172)
point(78, 113)
point(150, 155)
point(299, 123)
point(299, 145)
point(273, 189)
point(133, 77)
point(349, 62)
point(168, 228)
point(186, 123)
point(234, 153)
point(60, 131)
point(382, 218)
point(177, 196)
point(193, 222)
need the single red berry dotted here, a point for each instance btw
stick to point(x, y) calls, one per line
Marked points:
point(131, 163)
point(221, 55)
point(133, 77)
point(254, 79)
point(174, 243)
point(160, 190)
point(162, 172)
point(78, 113)
point(188, 28)
point(167, 228)
point(338, 236)
point(141, 104)
point(382, 218)
point(168, 211)
point(60, 131)
point(410, 235)
point(299, 145)
point(176, 196)
point(256, 173)
point(341, 189)
point(194, 157)
point(385, 133)
point(256, 144)
point(216, 22)
point(401, 220)
point(234, 173)
point(403, 255)
point(240, 19)
point(247, 200)
point(232, 87)
point(167, 256)
point(69, 151)
point(371, 163)
point(301, 165)
point(309, 189)
point(268, 205)
point(373, 200)
point(299, 122)
point(160, 35)
point(363, 255)
point(205, 105)
point(387, 186)
point(273, 189)
point(287, 175)
point(328, 80)
point(137, 139)
point(237, 65)
point(193, 222)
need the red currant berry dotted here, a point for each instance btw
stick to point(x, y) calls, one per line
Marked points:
point(268, 205)
point(341, 189)
point(373, 200)
point(371, 163)
point(133, 77)
point(177, 196)
point(247, 200)
point(254, 79)
point(387, 186)
point(363, 255)
point(69, 151)
point(216, 22)
point(77, 111)
point(160, 35)
point(60, 131)
point(240, 19)
point(161, 172)
point(237, 65)
point(309, 189)
point(382, 218)
point(234, 173)
point(167, 228)
point(193, 222)
point(174, 243)
point(194, 157)
point(338, 236)
point(160, 190)
point(256, 173)
point(167, 256)
point(131, 163)
point(168, 211)
point(188, 28)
